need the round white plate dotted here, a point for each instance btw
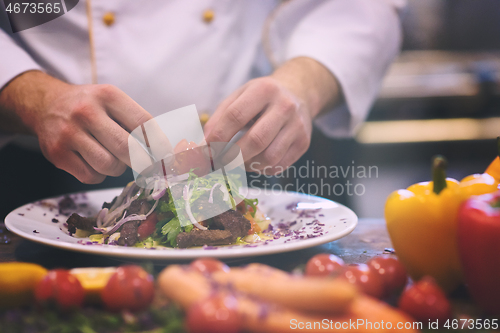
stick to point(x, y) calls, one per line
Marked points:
point(315, 221)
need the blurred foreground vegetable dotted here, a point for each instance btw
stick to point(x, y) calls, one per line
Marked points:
point(17, 283)
point(425, 301)
point(422, 223)
point(494, 168)
point(479, 246)
point(61, 288)
point(129, 288)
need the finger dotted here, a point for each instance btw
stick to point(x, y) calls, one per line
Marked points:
point(274, 153)
point(98, 157)
point(74, 164)
point(262, 133)
point(123, 108)
point(112, 136)
point(290, 157)
point(232, 119)
point(295, 151)
point(222, 106)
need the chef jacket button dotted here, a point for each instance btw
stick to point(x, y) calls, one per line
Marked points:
point(208, 16)
point(204, 118)
point(108, 19)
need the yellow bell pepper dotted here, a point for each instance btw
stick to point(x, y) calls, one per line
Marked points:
point(494, 168)
point(422, 223)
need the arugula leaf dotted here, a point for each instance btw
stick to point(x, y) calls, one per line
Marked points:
point(252, 203)
point(164, 207)
point(171, 230)
point(188, 228)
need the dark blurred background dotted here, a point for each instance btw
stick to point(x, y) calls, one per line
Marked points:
point(440, 97)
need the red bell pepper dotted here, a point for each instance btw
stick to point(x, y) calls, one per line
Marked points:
point(479, 248)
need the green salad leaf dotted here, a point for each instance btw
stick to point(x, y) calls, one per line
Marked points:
point(171, 229)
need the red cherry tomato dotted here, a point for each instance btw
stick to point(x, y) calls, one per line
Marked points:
point(323, 264)
point(391, 272)
point(209, 265)
point(189, 156)
point(217, 314)
point(424, 300)
point(129, 288)
point(365, 279)
point(147, 227)
point(61, 287)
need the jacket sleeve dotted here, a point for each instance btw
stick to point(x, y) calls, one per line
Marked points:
point(13, 62)
point(355, 39)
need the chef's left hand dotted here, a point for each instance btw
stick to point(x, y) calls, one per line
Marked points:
point(279, 110)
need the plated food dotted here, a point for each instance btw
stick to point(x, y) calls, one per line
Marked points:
point(298, 220)
point(206, 215)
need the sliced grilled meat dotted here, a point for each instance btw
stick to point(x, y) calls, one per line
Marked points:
point(204, 237)
point(76, 221)
point(109, 205)
point(128, 234)
point(139, 207)
point(233, 221)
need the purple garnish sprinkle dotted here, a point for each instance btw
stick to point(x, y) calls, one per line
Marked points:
point(20, 214)
point(55, 220)
point(35, 232)
point(269, 228)
point(322, 215)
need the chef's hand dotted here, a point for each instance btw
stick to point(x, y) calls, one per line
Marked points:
point(82, 129)
point(279, 109)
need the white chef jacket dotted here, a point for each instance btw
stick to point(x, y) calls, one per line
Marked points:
point(166, 54)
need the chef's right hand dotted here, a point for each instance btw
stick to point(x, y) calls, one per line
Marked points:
point(82, 129)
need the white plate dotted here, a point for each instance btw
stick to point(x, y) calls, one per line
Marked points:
point(317, 221)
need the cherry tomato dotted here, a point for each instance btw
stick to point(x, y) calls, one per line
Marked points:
point(209, 265)
point(217, 314)
point(147, 227)
point(323, 264)
point(391, 272)
point(129, 288)
point(424, 300)
point(61, 287)
point(189, 156)
point(242, 207)
point(364, 278)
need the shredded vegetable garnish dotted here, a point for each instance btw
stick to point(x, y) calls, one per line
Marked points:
point(187, 196)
